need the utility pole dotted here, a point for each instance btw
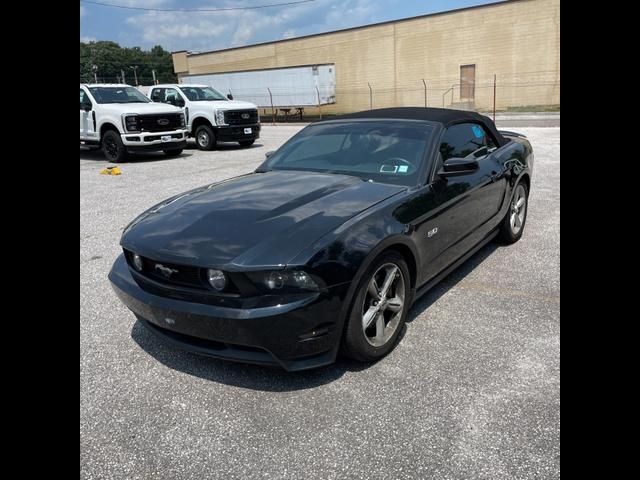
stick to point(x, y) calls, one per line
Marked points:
point(153, 72)
point(425, 93)
point(95, 72)
point(135, 74)
point(122, 74)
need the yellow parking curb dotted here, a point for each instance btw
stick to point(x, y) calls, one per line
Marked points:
point(111, 171)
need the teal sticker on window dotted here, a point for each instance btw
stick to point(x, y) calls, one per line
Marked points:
point(477, 131)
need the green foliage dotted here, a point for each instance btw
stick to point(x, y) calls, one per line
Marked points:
point(111, 58)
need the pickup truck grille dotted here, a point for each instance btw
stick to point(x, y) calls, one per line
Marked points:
point(241, 117)
point(159, 123)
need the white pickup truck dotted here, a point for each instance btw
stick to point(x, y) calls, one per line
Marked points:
point(119, 119)
point(211, 117)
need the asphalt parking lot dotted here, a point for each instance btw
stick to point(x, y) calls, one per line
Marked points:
point(471, 392)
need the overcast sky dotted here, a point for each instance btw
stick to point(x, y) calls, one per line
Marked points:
point(200, 31)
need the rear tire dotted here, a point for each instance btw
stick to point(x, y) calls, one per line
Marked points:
point(113, 148)
point(205, 137)
point(516, 217)
point(173, 153)
point(367, 336)
point(246, 143)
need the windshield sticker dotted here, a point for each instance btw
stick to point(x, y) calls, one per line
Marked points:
point(388, 169)
point(477, 131)
point(403, 168)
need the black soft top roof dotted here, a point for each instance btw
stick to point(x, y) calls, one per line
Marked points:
point(445, 116)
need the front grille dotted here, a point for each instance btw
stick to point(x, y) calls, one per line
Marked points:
point(149, 123)
point(235, 117)
point(182, 275)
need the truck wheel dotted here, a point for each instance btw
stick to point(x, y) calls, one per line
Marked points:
point(113, 148)
point(205, 138)
point(173, 153)
point(246, 143)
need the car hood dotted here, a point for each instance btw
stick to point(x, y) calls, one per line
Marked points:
point(257, 220)
point(229, 104)
point(140, 108)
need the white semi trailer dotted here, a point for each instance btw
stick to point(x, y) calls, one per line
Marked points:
point(304, 86)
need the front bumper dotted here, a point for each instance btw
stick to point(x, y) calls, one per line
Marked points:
point(152, 141)
point(297, 336)
point(236, 133)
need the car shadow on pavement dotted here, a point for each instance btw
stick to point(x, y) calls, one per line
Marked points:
point(191, 145)
point(97, 156)
point(254, 377)
point(450, 281)
point(274, 379)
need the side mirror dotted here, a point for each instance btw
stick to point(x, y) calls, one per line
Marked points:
point(229, 96)
point(179, 103)
point(458, 166)
point(268, 154)
point(85, 106)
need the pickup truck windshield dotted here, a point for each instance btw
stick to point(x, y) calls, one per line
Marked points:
point(202, 94)
point(118, 95)
point(384, 151)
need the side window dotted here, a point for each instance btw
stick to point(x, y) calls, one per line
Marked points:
point(84, 98)
point(157, 95)
point(173, 97)
point(466, 139)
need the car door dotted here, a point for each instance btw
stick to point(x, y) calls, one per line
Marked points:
point(87, 129)
point(464, 204)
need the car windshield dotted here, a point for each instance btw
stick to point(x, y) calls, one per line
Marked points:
point(118, 95)
point(202, 94)
point(383, 151)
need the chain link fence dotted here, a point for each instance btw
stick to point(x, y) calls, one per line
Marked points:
point(528, 91)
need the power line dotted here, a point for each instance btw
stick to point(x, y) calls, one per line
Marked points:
point(196, 9)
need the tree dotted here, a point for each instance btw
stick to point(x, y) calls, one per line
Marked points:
point(110, 58)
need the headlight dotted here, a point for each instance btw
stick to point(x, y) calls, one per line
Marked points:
point(131, 123)
point(216, 279)
point(182, 120)
point(137, 262)
point(283, 280)
point(220, 117)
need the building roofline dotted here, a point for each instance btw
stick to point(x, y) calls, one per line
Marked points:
point(386, 22)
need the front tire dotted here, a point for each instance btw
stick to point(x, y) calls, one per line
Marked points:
point(516, 217)
point(173, 153)
point(246, 143)
point(379, 309)
point(205, 137)
point(113, 148)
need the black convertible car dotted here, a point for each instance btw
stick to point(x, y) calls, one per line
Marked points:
point(326, 245)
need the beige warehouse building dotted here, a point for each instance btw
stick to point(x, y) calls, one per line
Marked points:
point(448, 59)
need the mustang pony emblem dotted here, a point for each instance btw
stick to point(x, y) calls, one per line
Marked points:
point(165, 271)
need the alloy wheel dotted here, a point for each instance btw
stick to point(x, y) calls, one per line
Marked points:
point(383, 304)
point(518, 210)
